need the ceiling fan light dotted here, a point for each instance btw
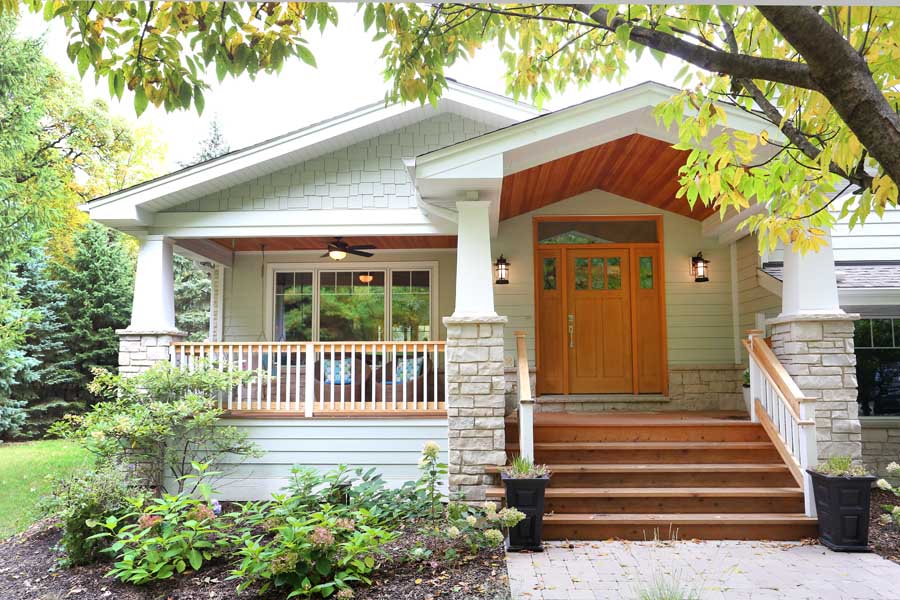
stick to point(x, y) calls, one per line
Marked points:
point(336, 254)
point(366, 278)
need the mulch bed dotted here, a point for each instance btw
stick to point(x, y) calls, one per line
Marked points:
point(28, 572)
point(884, 539)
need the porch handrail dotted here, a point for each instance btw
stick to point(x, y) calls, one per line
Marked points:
point(327, 378)
point(526, 401)
point(786, 414)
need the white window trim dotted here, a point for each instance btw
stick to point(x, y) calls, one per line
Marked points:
point(316, 268)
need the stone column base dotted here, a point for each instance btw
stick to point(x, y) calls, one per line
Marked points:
point(817, 351)
point(140, 350)
point(475, 402)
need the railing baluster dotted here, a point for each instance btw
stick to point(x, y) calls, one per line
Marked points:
point(394, 377)
point(230, 375)
point(374, 370)
point(425, 375)
point(278, 377)
point(287, 382)
point(343, 376)
point(384, 374)
point(405, 375)
point(436, 370)
point(331, 401)
point(322, 377)
point(353, 376)
point(309, 397)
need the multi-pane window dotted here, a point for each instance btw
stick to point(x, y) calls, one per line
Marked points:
point(877, 343)
point(345, 305)
point(411, 306)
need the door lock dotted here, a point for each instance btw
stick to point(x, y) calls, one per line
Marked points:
point(571, 331)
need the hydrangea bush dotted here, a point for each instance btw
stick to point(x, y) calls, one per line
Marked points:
point(892, 511)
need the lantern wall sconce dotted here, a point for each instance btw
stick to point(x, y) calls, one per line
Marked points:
point(502, 269)
point(699, 268)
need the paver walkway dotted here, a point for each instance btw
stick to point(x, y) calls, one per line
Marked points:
point(708, 570)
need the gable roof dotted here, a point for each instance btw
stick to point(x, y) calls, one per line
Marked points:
point(132, 205)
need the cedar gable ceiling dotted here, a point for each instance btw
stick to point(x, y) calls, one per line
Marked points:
point(636, 166)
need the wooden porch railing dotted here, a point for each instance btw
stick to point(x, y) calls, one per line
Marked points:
point(526, 401)
point(784, 412)
point(307, 379)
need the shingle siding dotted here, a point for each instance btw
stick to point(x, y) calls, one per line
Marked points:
point(366, 175)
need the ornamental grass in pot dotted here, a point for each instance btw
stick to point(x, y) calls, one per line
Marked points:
point(525, 484)
point(843, 493)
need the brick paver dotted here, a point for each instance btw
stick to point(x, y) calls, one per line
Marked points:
point(707, 570)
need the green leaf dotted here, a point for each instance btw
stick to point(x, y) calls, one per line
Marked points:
point(368, 16)
point(623, 34)
point(140, 100)
point(83, 60)
point(221, 68)
point(306, 56)
point(195, 559)
point(199, 102)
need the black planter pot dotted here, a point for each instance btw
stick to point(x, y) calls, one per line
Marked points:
point(526, 495)
point(842, 504)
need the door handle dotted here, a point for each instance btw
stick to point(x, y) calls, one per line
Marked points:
point(571, 331)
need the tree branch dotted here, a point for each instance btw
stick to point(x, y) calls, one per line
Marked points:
point(717, 61)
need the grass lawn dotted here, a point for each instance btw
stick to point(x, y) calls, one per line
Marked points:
point(24, 468)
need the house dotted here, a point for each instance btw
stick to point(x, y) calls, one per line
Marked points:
point(498, 278)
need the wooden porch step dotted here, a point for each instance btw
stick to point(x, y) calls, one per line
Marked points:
point(651, 452)
point(666, 500)
point(709, 526)
point(626, 430)
point(668, 475)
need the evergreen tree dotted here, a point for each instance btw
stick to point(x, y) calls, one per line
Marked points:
point(98, 280)
point(213, 146)
point(14, 320)
point(42, 385)
point(192, 290)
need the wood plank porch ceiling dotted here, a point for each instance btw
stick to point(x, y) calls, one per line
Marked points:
point(388, 242)
point(636, 167)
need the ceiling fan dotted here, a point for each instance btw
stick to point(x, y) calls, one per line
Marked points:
point(338, 249)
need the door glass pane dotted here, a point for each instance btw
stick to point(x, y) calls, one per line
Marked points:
point(596, 273)
point(293, 307)
point(351, 308)
point(619, 231)
point(581, 273)
point(411, 305)
point(645, 267)
point(614, 273)
point(549, 273)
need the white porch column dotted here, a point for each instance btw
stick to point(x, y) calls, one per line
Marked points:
point(813, 338)
point(152, 329)
point(153, 307)
point(474, 269)
point(475, 381)
point(809, 285)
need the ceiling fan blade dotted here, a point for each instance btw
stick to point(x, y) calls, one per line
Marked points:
point(363, 247)
point(356, 252)
point(324, 255)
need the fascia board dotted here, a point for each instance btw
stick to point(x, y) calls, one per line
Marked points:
point(647, 95)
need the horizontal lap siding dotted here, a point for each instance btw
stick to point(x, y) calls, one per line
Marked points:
point(391, 446)
point(752, 297)
point(876, 239)
point(698, 315)
point(365, 175)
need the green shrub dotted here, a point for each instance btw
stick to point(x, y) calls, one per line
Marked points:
point(164, 536)
point(841, 466)
point(524, 468)
point(166, 417)
point(85, 498)
point(480, 527)
point(317, 554)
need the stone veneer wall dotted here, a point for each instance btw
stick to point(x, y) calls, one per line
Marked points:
point(139, 350)
point(475, 402)
point(880, 444)
point(817, 351)
point(691, 387)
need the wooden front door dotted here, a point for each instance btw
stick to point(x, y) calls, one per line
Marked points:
point(598, 321)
